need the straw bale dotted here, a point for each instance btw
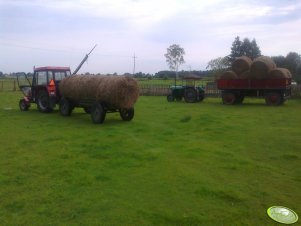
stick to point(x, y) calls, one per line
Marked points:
point(117, 91)
point(228, 75)
point(245, 75)
point(261, 67)
point(279, 73)
point(241, 64)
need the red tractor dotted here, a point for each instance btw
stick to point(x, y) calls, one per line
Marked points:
point(43, 88)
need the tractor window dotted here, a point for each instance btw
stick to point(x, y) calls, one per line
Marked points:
point(42, 78)
point(59, 75)
point(50, 76)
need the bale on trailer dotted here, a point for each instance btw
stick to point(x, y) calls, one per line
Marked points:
point(261, 67)
point(245, 75)
point(116, 91)
point(228, 75)
point(279, 73)
point(241, 64)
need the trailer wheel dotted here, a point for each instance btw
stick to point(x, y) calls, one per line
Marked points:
point(170, 98)
point(228, 98)
point(274, 99)
point(43, 102)
point(98, 113)
point(127, 114)
point(65, 107)
point(23, 105)
point(190, 95)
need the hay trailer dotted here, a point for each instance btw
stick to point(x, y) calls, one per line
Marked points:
point(41, 88)
point(99, 95)
point(188, 90)
point(275, 91)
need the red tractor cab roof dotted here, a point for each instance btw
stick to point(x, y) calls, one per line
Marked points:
point(51, 68)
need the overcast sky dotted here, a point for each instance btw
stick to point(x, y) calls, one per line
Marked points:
point(61, 32)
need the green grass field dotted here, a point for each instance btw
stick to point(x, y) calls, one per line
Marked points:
point(174, 164)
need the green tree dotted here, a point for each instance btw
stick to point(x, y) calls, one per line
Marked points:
point(175, 57)
point(245, 47)
point(218, 64)
point(279, 61)
point(292, 60)
point(298, 74)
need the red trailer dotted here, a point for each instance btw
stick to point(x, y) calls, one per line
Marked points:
point(275, 91)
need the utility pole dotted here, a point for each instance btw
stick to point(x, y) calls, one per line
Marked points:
point(134, 64)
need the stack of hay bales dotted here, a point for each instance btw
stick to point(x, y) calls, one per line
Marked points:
point(117, 91)
point(262, 67)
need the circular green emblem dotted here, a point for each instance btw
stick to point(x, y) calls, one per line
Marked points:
point(282, 214)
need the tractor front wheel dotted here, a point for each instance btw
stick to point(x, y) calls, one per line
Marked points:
point(65, 107)
point(127, 114)
point(98, 113)
point(43, 102)
point(23, 105)
point(170, 98)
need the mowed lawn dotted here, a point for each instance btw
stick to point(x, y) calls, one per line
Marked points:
point(174, 164)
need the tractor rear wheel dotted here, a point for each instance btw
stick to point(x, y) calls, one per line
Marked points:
point(65, 107)
point(43, 102)
point(170, 98)
point(229, 98)
point(190, 95)
point(23, 105)
point(127, 114)
point(98, 113)
point(274, 99)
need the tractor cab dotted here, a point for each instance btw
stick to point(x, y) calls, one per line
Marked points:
point(189, 90)
point(42, 87)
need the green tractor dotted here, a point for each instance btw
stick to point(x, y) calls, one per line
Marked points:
point(188, 90)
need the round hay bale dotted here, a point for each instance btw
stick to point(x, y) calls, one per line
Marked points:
point(119, 91)
point(228, 75)
point(279, 73)
point(241, 64)
point(115, 91)
point(245, 75)
point(261, 67)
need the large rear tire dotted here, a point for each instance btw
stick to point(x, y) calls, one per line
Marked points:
point(65, 107)
point(98, 113)
point(127, 114)
point(190, 95)
point(43, 102)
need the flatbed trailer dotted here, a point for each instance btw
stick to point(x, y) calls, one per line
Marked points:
point(275, 91)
